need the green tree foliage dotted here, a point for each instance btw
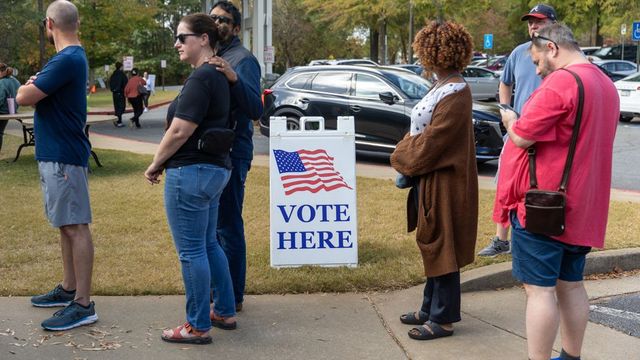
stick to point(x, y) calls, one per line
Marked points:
point(19, 21)
point(299, 37)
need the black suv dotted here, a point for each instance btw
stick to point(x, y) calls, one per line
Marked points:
point(379, 98)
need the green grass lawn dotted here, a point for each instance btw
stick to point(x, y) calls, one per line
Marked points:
point(135, 255)
point(103, 98)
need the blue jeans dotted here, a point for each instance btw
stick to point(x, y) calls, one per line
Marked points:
point(231, 227)
point(191, 200)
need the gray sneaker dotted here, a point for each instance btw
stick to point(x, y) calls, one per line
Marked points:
point(71, 317)
point(56, 297)
point(496, 247)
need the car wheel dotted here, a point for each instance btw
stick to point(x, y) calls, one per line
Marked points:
point(626, 119)
point(293, 118)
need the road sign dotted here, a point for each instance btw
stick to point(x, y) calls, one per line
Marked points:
point(269, 54)
point(163, 63)
point(623, 29)
point(488, 41)
point(635, 34)
point(127, 63)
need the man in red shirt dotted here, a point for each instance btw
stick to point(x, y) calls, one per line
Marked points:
point(551, 267)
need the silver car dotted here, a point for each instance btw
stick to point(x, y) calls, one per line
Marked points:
point(483, 82)
point(621, 67)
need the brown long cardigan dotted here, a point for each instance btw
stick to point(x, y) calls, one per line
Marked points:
point(443, 156)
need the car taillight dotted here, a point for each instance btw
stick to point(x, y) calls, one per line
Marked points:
point(265, 93)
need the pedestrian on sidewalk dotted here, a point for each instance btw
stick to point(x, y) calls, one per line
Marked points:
point(117, 83)
point(242, 70)
point(133, 92)
point(550, 265)
point(58, 93)
point(443, 203)
point(519, 69)
point(145, 96)
point(194, 182)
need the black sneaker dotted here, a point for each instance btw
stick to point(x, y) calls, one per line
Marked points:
point(56, 297)
point(72, 316)
point(496, 247)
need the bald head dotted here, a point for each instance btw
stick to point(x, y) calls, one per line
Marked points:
point(64, 15)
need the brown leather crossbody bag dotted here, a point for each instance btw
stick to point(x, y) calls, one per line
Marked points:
point(545, 210)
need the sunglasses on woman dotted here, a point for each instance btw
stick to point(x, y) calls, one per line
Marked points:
point(183, 37)
point(221, 19)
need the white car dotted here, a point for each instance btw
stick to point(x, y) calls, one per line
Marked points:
point(621, 67)
point(629, 92)
point(483, 83)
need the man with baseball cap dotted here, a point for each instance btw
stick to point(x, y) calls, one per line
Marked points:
point(519, 71)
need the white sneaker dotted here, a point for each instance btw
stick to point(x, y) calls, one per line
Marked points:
point(146, 109)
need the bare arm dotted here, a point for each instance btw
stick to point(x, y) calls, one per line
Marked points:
point(508, 119)
point(504, 93)
point(29, 94)
point(177, 134)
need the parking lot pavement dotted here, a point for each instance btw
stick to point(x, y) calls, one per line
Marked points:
point(619, 312)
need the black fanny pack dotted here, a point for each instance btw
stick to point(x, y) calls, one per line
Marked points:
point(216, 141)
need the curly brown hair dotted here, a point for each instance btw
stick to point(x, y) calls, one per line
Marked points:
point(443, 46)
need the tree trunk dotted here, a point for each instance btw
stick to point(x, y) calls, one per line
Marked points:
point(599, 38)
point(382, 35)
point(373, 44)
point(41, 33)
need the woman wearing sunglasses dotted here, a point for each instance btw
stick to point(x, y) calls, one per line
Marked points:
point(194, 180)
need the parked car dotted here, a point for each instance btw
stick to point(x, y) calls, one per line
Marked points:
point(615, 52)
point(621, 67)
point(614, 77)
point(343, 62)
point(411, 67)
point(379, 98)
point(479, 62)
point(484, 83)
point(629, 92)
point(589, 50)
point(497, 63)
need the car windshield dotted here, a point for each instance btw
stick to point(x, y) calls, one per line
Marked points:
point(495, 60)
point(602, 51)
point(414, 86)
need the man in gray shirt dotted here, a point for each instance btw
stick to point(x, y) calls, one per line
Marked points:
point(519, 69)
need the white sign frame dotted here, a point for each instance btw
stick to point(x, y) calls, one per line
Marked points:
point(318, 227)
point(127, 63)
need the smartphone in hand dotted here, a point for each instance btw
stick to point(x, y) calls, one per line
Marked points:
point(507, 107)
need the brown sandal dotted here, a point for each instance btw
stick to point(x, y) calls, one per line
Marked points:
point(222, 322)
point(187, 335)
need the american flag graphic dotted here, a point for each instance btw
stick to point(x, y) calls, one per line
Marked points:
point(308, 170)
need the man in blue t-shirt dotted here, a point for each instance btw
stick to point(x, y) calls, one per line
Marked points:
point(58, 93)
point(520, 71)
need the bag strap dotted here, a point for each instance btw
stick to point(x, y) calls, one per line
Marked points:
point(531, 151)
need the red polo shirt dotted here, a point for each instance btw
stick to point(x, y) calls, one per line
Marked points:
point(548, 118)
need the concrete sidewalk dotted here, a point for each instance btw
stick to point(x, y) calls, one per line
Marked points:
point(318, 326)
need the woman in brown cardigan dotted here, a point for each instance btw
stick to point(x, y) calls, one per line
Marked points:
point(439, 153)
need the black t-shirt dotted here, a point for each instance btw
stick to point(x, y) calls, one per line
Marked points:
point(204, 100)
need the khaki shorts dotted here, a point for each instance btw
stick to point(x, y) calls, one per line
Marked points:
point(65, 190)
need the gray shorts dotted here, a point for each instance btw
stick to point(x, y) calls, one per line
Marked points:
point(65, 190)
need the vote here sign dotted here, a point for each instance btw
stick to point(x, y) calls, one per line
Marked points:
point(313, 217)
